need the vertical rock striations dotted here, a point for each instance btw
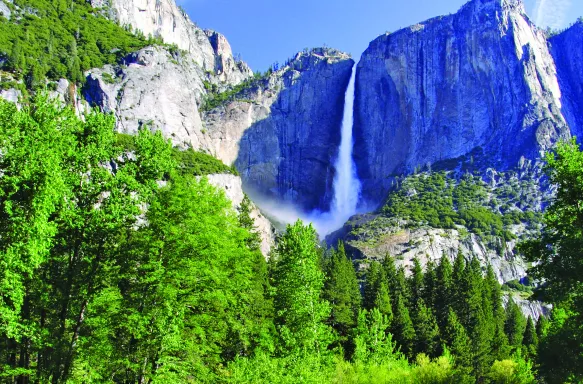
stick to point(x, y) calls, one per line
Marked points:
point(566, 48)
point(481, 78)
point(283, 133)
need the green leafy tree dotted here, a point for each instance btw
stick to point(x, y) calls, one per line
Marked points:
point(298, 280)
point(557, 253)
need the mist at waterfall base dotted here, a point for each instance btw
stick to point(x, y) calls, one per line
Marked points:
point(346, 186)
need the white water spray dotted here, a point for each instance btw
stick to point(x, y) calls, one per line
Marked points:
point(346, 186)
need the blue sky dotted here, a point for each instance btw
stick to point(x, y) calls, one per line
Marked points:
point(266, 31)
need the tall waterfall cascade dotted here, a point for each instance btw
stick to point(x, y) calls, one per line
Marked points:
point(346, 183)
point(346, 186)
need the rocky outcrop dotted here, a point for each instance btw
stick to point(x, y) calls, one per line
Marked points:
point(4, 9)
point(12, 95)
point(154, 88)
point(427, 244)
point(530, 308)
point(233, 188)
point(283, 133)
point(483, 77)
point(163, 18)
point(566, 49)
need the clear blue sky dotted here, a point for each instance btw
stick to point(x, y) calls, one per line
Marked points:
point(266, 31)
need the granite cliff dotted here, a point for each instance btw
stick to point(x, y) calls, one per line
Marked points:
point(483, 78)
point(283, 132)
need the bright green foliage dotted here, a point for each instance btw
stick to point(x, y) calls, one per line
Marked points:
point(441, 201)
point(372, 341)
point(298, 280)
point(515, 324)
point(438, 371)
point(261, 304)
point(62, 213)
point(342, 292)
point(93, 286)
point(558, 256)
point(542, 327)
point(62, 39)
point(556, 363)
point(511, 371)
point(189, 161)
point(459, 288)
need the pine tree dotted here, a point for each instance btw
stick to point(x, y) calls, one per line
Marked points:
point(426, 331)
point(459, 343)
point(374, 276)
point(500, 350)
point(430, 285)
point(514, 324)
point(542, 326)
point(415, 283)
point(402, 327)
point(298, 281)
point(443, 294)
point(530, 340)
point(341, 291)
point(459, 288)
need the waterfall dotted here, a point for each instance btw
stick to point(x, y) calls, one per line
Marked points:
point(346, 183)
point(346, 186)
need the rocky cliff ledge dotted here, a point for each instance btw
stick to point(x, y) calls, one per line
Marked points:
point(283, 132)
point(163, 18)
point(483, 77)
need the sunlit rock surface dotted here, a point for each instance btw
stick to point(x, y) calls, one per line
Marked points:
point(483, 77)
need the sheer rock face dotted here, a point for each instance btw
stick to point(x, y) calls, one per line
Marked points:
point(233, 188)
point(163, 18)
point(283, 133)
point(568, 54)
point(154, 89)
point(483, 77)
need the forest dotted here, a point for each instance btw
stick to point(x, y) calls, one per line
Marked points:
point(57, 39)
point(120, 264)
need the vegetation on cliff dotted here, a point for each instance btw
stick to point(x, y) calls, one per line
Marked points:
point(108, 275)
point(61, 39)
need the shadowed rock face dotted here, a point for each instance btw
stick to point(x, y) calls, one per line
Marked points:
point(567, 50)
point(284, 136)
point(483, 77)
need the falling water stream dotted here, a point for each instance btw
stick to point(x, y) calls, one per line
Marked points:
point(346, 186)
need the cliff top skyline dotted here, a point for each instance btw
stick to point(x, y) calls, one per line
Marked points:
point(262, 32)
